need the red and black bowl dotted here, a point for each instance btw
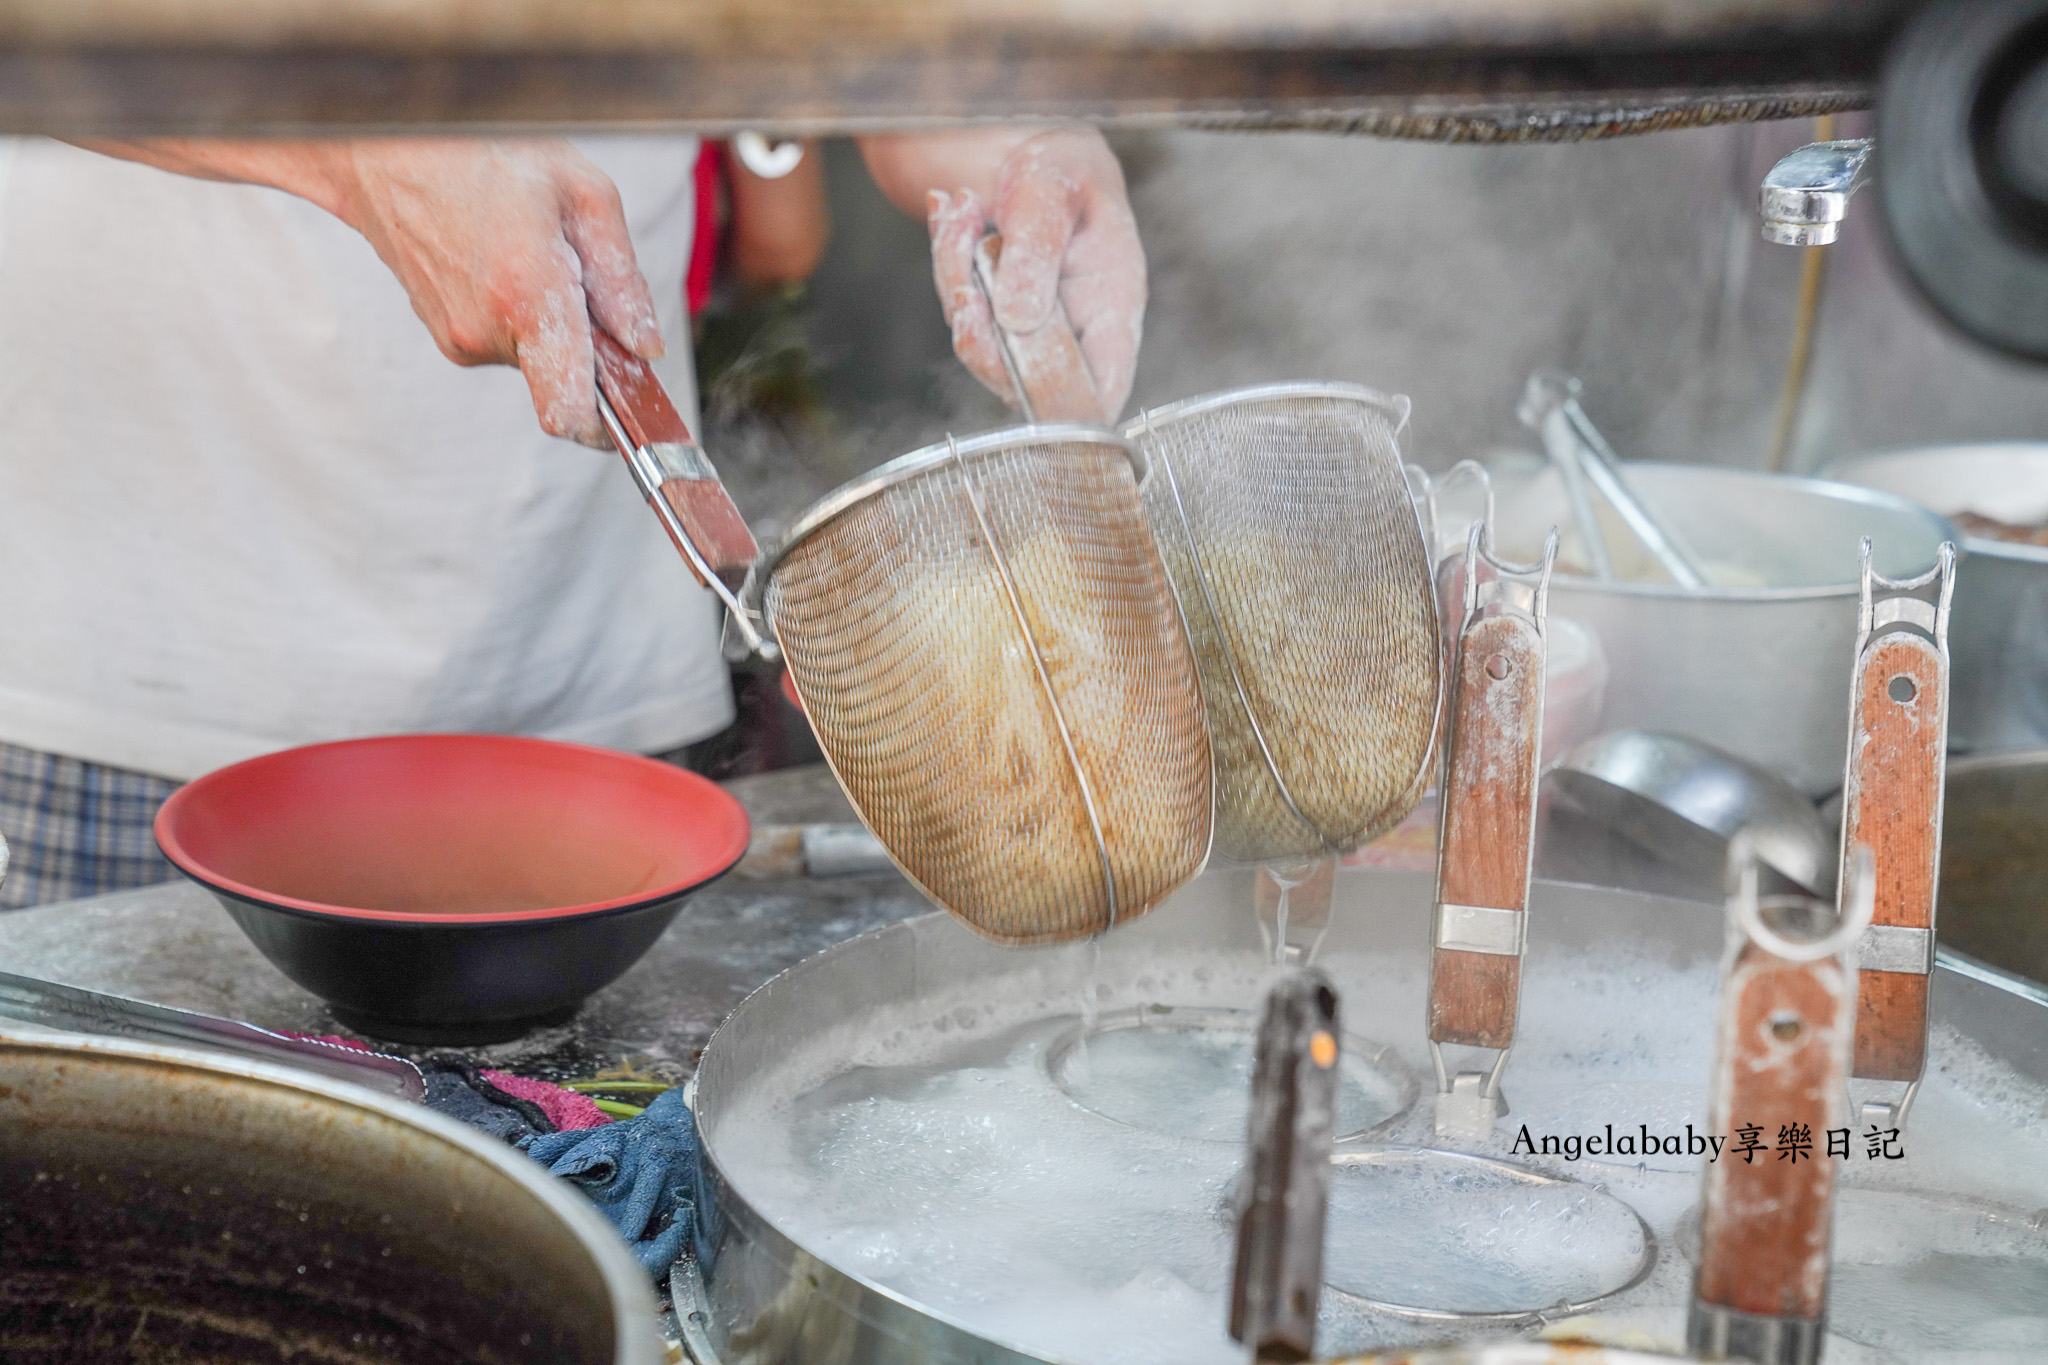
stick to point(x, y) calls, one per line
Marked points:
point(452, 888)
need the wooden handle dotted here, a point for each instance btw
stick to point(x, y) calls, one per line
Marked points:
point(1047, 365)
point(1276, 1278)
point(636, 393)
point(687, 482)
point(1489, 815)
point(1781, 1067)
point(1892, 804)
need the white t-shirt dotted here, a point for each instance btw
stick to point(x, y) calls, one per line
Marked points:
point(245, 503)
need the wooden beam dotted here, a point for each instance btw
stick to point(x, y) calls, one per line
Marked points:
point(1406, 67)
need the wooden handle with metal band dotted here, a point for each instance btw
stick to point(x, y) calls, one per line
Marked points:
point(1767, 1215)
point(668, 463)
point(1489, 816)
point(1892, 798)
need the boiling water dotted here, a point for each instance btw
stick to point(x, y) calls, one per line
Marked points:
point(1920, 1275)
point(932, 1151)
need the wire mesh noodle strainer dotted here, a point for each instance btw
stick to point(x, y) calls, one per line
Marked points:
point(1284, 518)
point(992, 658)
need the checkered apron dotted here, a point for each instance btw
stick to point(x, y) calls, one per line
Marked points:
point(76, 828)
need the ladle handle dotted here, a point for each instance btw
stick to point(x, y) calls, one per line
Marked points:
point(1779, 1083)
point(672, 470)
point(1046, 367)
point(1486, 836)
point(1283, 1197)
point(1891, 802)
point(52, 1005)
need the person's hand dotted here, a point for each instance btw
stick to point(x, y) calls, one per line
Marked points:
point(1057, 197)
point(507, 249)
point(1068, 239)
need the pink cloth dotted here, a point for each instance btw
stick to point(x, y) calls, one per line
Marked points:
point(567, 1110)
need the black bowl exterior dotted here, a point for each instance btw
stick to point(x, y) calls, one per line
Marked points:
point(454, 981)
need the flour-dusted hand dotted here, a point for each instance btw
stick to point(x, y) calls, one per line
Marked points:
point(507, 249)
point(1057, 197)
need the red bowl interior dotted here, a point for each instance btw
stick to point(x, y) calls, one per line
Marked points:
point(489, 827)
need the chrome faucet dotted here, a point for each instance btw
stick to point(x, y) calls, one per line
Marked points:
point(1806, 195)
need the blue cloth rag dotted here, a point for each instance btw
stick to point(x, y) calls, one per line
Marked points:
point(642, 1173)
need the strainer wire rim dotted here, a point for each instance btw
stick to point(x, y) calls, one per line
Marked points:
point(903, 468)
point(1368, 1153)
point(1396, 406)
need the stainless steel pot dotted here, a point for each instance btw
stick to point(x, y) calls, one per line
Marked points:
point(1998, 632)
point(164, 1205)
point(1758, 664)
point(765, 1298)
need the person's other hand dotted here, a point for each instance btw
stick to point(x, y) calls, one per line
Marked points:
point(1057, 197)
point(507, 249)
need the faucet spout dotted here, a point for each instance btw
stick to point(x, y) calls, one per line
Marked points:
point(1806, 195)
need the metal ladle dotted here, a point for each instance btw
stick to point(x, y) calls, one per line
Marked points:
point(1550, 408)
point(74, 1009)
point(1684, 801)
point(77, 1010)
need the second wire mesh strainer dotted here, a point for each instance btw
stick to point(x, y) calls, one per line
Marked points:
point(1284, 518)
point(991, 656)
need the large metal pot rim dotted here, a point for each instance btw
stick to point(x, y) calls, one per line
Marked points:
point(733, 1205)
point(1976, 545)
point(1827, 488)
point(635, 1338)
point(1961, 963)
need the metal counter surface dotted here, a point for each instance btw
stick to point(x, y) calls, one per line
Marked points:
point(172, 944)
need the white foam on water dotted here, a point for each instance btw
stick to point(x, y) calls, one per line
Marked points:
point(925, 1147)
point(985, 1193)
point(1919, 1274)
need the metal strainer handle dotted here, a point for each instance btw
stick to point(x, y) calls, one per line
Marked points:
point(1047, 370)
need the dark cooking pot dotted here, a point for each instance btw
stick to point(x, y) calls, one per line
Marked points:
point(452, 888)
point(1994, 861)
point(164, 1206)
